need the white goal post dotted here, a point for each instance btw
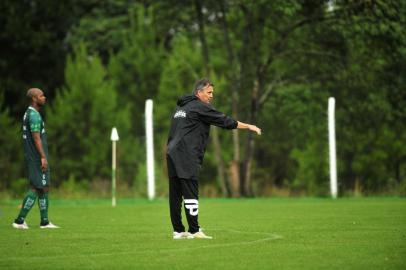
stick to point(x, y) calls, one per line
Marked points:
point(332, 147)
point(149, 136)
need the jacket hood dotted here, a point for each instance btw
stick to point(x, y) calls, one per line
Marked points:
point(182, 101)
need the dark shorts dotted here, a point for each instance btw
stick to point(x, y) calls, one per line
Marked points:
point(36, 177)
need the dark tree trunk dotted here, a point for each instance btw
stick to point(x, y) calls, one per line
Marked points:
point(214, 133)
point(234, 166)
point(249, 149)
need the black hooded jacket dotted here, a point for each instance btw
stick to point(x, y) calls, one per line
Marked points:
point(189, 134)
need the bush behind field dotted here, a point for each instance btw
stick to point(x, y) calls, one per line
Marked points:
point(101, 188)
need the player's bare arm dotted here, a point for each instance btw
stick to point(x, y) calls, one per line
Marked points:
point(38, 144)
point(254, 128)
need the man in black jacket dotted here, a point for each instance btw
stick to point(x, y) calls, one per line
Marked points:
point(187, 142)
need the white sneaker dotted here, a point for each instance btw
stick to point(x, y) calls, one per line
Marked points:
point(49, 226)
point(180, 235)
point(199, 235)
point(23, 226)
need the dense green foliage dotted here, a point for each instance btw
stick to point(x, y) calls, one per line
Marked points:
point(273, 63)
point(366, 233)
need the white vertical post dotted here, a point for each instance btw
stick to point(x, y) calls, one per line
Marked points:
point(332, 147)
point(150, 148)
point(114, 138)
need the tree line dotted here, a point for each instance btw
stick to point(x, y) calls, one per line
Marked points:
point(273, 63)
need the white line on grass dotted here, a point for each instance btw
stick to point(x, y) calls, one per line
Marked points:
point(268, 237)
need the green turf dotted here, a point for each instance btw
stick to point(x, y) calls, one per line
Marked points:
point(248, 234)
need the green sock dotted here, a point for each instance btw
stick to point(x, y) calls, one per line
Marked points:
point(28, 202)
point(43, 203)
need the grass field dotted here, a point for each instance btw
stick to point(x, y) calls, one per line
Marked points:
point(306, 233)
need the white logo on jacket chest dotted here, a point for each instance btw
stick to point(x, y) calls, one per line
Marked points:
point(179, 114)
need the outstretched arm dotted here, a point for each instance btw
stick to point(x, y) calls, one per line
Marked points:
point(242, 125)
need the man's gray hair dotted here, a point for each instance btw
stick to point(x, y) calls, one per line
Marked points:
point(201, 84)
point(32, 92)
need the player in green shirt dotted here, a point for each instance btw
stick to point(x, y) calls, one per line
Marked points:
point(36, 159)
